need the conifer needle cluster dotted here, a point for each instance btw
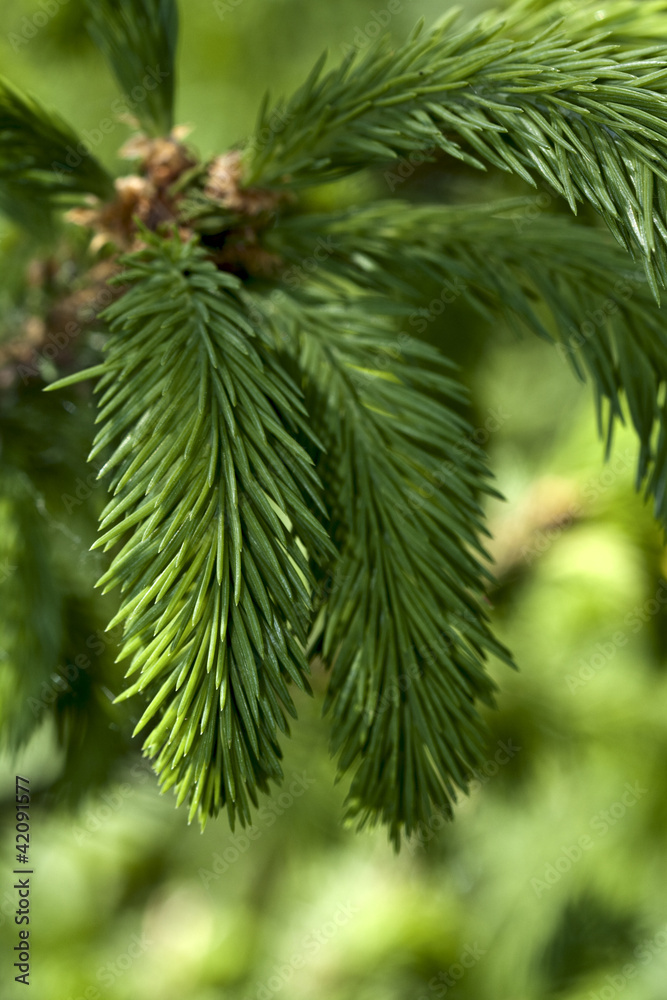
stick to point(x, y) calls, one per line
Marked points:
point(290, 473)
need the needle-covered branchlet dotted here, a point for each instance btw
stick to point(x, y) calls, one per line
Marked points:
point(290, 465)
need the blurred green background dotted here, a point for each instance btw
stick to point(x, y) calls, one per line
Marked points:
point(551, 881)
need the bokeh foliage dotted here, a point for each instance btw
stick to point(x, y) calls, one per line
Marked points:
point(580, 565)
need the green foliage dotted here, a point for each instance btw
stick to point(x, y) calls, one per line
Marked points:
point(31, 634)
point(211, 498)
point(567, 282)
point(586, 115)
point(137, 36)
point(404, 624)
point(292, 474)
point(36, 147)
point(54, 657)
point(621, 21)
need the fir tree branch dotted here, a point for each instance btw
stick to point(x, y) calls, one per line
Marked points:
point(566, 282)
point(622, 22)
point(588, 116)
point(31, 626)
point(209, 492)
point(55, 665)
point(138, 36)
point(24, 210)
point(35, 145)
point(404, 629)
